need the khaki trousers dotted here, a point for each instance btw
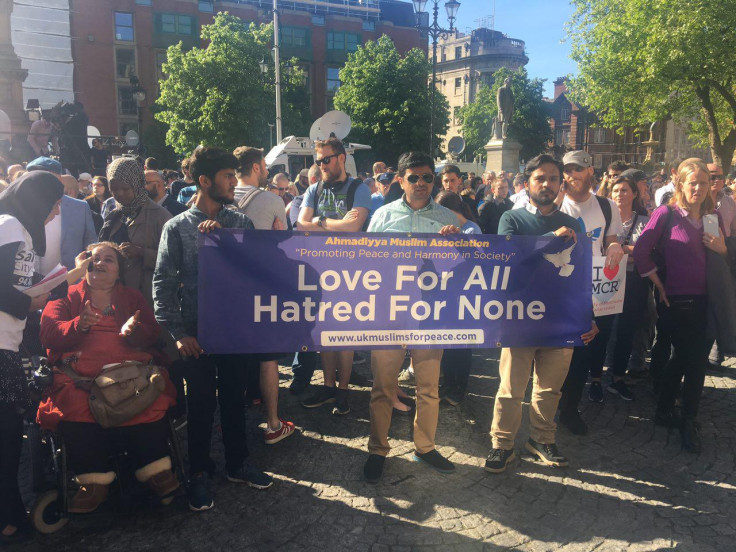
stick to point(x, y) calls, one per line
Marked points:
point(385, 365)
point(550, 369)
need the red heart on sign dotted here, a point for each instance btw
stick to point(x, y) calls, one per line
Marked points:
point(610, 273)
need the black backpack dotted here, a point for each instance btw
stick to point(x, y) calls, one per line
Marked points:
point(349, 198)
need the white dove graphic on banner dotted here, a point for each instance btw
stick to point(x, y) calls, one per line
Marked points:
point(562, 260)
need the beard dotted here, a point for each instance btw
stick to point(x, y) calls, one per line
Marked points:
point(543, 198)
point(151, 194)
point(220, 198)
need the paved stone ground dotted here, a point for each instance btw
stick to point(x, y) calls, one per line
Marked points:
point(629, 487)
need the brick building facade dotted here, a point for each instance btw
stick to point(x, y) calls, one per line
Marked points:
point(114, 39)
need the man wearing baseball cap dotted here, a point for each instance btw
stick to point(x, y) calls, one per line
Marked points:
point(601, 221)
point(85, 185)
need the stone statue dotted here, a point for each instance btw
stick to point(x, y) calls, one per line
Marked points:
point(505, 102)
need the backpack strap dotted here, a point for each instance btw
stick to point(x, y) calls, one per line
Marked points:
point(316, 196)
point(350, 199)
point(606, 209)
point(248, 196)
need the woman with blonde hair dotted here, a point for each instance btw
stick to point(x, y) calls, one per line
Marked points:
point(676, 232)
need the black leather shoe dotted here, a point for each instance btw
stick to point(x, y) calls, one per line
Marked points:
point(435, 460)
point(547, 453)
point(373, 468)
point(667, 419)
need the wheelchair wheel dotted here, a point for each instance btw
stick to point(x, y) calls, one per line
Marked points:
point(45, 515)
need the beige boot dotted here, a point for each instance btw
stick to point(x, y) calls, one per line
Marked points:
point(88, 498)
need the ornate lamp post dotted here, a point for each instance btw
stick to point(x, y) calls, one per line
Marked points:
point(436, 32)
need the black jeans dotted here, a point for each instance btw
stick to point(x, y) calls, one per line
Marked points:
point(213, 378)
point(455, 366)
point(90, 447)
point(628, 322)
point(304, 365)
point(685, 321)
point(583, 359)
point(12, 511)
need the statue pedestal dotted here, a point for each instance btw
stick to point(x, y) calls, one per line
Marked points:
point(503, 155)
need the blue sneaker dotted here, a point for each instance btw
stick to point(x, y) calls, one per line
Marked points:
point(200, 496)
point(250, 475)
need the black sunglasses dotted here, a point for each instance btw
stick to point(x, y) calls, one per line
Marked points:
point(326, 160)
point(414, 178)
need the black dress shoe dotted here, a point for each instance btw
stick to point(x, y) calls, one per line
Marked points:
point(667, 419)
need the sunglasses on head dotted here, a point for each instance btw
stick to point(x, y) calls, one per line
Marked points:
point(414, 178)
point(326, 160)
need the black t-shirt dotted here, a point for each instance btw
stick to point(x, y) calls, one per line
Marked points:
point(176, 187)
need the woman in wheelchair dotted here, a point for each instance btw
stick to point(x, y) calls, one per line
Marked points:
point(107, 387)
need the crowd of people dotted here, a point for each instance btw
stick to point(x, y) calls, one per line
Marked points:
point(129, 305)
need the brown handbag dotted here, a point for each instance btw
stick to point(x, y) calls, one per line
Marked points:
point(120, 391)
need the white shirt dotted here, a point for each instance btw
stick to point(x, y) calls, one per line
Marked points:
point(11, 231)
point(659, 194)
point(53, 247)
point(520, 199)
point(588, 213)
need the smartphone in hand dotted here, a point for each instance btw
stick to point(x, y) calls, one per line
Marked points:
point(710, 225)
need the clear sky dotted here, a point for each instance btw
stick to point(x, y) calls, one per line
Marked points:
point(539, 23)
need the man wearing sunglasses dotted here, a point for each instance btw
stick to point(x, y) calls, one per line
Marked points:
point(415, 212)
point(334, 204)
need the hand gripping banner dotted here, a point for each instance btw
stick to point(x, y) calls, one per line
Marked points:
point(271, 291)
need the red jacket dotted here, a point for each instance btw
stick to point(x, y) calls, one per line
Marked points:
point(60, 333)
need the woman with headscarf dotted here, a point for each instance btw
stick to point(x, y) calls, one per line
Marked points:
point(136, 223)
point(26, 206)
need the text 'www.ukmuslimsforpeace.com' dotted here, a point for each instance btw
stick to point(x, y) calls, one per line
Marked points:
point(403, 337)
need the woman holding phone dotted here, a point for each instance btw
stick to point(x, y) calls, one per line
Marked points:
point(679, 230)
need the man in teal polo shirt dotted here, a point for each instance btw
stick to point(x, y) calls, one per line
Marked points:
point(415, 212)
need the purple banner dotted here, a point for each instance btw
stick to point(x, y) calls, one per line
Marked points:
point(269, 291)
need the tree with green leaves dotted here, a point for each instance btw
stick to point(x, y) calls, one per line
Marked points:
point(387, 98)
point(217, 96)
point(529, 125)
point(641, 61)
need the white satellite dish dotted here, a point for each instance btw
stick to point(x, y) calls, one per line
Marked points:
point(334, 122)
point(92, 133)
point(131, 138)
point(456, 145)
point(314, 133)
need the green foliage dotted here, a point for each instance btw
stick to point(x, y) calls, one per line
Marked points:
point(217, 96)
point(529, 125)
point(387, 98)
point(645, 60)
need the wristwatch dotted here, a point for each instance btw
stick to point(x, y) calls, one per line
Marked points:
point(322, 220)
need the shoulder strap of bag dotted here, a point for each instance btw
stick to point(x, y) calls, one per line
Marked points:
point(631, 230)
point(248, 197)
point(606, 209)
point(350, 199)
point(316, 196)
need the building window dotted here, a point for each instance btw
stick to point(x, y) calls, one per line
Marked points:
point(456, 115)
point(305, 78)
point(458, 84)
point(124, 63)
point(126, 103)
point(597, 160)
point(458, 52)
point(124, 27)
point(342, 41)
point(333, 79)
point(318, 20)
point(294, 36)
point(369, 25)
point(171, 23)
point(562, 137)
point(443, 56)
point(206, 6)
point(564, 114)
point(599, 135)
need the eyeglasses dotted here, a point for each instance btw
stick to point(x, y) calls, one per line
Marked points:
point(326, 160)
point(716, 177)
point(414, 178)
point(277, 188)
